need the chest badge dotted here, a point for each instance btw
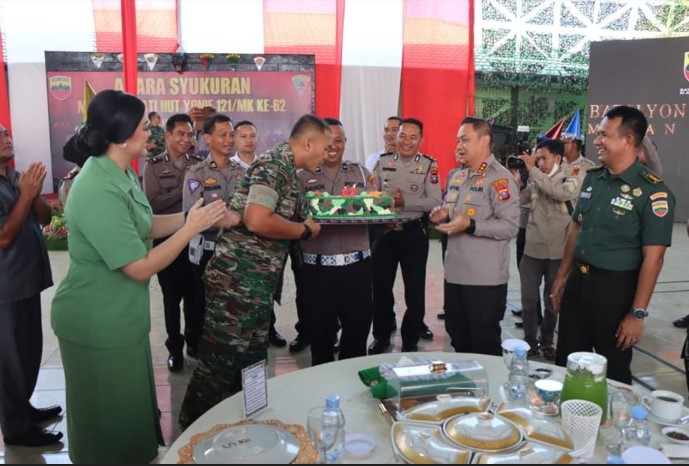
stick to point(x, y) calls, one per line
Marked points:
point(622, 203)
point(471, 212)
point(637, 192)
point(210, 181)
point(414, 188)
point(625, 188)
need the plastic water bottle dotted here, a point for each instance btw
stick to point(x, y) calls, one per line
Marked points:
point(614, 459)
point(518, 380)
point(637, 431)
point(332, 416)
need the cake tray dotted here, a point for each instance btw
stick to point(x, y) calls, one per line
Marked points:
point(364, 220)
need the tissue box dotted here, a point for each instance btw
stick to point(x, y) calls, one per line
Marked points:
point(436, 378)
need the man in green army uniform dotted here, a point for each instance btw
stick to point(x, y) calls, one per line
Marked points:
point(246, 267)
point(615, 249)
point(156, 141)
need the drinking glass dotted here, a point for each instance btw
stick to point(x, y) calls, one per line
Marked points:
point(619, 413)
point(322, 436)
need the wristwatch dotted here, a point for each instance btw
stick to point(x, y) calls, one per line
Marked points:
point(639, 314)
point(471, 228)
point(307, 232)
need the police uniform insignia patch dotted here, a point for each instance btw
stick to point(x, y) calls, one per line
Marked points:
point(652, 178)
point(311, 181)
point(575, 171)
point(214, 165)
point(457, 181)
point(502, 187)
point(434, 175)
point(194, 185)
point(658, 195)
point(480, 181)
point(453, 196)
point(238, 176)
point(210, 181)
point(467, 198)
point(660, 208)
point(414, 188)
point(471, 212)
point(418, 169)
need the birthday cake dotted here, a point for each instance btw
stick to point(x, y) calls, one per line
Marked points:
point(350, 204)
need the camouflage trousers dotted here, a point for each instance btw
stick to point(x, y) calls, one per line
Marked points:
point(239, 302)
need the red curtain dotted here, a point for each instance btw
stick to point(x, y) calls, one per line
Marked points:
point(437, 72)
point(312, 27)
point(5, 117)
point(156, 25)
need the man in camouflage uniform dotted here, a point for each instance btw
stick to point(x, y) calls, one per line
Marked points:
point(156, 141)
point(622, 226)
point(214, 178)
point(243, 274)
point(337, 268)
point(163, 185)
point(482, 214)
point(412, 178)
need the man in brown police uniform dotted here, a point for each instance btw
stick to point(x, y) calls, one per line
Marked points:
point(337, 264)
point(482, 206)
point(163, 184)
point(413, 179)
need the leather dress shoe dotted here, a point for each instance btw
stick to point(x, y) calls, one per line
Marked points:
point(519, 324)
point(378, 346)
point(426, 334)
point(441, 315)
point(336, 345)
point(682, 323)
point(175, 362)
point(298, 344)
point(516, 312)
point(34, 437)
point(39, 415)
point(276, 339)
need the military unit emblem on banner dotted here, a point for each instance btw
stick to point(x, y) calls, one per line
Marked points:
point(207, 59)
point(259, 62)
point(151, 60)
point(60, 87)
point(233, 60)
point(97, 59)
point(300, 82)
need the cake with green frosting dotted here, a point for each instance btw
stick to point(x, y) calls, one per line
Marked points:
point(372, 204)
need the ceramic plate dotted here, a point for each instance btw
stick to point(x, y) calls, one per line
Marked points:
point(248, 444)
point(423, 443)
point(529, 453)
point(539, 428)
point(443, 408)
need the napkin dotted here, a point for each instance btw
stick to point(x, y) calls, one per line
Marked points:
point(675, 450)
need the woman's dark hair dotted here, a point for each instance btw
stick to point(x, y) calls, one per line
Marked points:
point(113, 117)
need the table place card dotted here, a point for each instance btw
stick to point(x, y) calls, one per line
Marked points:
point(255, 388)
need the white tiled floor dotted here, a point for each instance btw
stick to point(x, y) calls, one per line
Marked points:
point(656, 359)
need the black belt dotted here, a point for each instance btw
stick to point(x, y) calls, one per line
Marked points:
point(413, 225)
point(588, 269)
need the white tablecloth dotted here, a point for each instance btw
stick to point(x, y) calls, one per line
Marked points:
point(292, 394)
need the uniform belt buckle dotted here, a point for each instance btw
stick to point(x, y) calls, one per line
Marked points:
point(340, 260)
point(584, 269)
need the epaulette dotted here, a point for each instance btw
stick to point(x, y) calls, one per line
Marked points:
point(429, 158)
point(198, 157)
point(157, 158)
point(386, 154)
point(649, 176)
point(233, 164)
point(594, 169)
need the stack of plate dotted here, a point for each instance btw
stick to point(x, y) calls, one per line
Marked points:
point(248, 444)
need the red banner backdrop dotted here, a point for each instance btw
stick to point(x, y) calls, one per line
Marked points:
point(436, 72)
point(156, 25)
point(293, 26)
point(5, 117)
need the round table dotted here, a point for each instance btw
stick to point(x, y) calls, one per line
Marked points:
point(291, 395)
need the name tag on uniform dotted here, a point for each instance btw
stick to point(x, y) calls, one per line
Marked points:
point(585, 195)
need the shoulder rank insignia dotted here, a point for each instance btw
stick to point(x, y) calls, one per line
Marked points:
point(156, 159)
point(651, 177)
point(482, 168)
point(428, 157)
point(198, 158)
